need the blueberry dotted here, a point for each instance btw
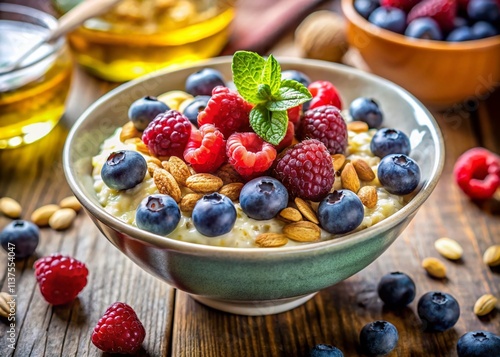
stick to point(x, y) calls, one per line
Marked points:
point(389, 18)
point(478, 344)
point(424, 28)
point(483, 29)
point(203, 81)
point(366, 7)
point(378, 338)
point(340, 212)
point(438, 311)
point(460, 34)
point(323, 350)
point(263, 198)
point(367, 110)
point(20, 237)
point(483, 10)
point(158, 214)
point(459, 22)
point(192, 110)
point(144, 110)
point(396, 289)
point(214, 215)
point(399, 174)
point(124, 169)
point(389, 141)
point(296, 76)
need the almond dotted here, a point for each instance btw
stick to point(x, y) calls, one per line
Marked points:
point(303, 231)
point(368, 196)
point(364, 171)
point(62, 219)
point(5, 304)
point(204, 183)
point(491, 256)
point(349, 177)
point(141, 147)
point(178, 168)
point(166, 184)
point(189, 201)
point(71, 202)
point(232, 190)
point(485, 304)
point(41, 215)
point(174, 98)
point(129, 131)
point(228, 174)
point(290, 214)
point(338, 161)
point(306, 210)
point(10, 207)
point(434, 267)
point(357, 126)
point(449, 248)
point(152, 166)
point(268, 240)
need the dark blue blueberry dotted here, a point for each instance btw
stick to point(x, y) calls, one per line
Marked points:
point(378, 338)
point(144, 110)
point(214, 215)
point(158, 214)
point(323, 350)
point(203, 81)
point(396, 289)
point(366, 7)
point(483, 10)
point(124, 169)
point(438, 311)
point(20, 237)
point(263, 198)
point(340, 212)
point(424, 28)
point(389, 18)
point(399, 174)
point(478, 344)
point(389, 141)
point(367, 110)
point(483, 29)
point(195, 107)
point(460, 34)
point(459, 22)
point(296, 76)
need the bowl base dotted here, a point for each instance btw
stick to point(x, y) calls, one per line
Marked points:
point(254, 308)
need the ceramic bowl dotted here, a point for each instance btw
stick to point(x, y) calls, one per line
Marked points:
point(253, 281)
point(439, 73)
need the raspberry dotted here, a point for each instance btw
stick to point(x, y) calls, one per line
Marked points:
point(294, 114)
point(442, 11)
point(60, 277)
point(324, 93)
point(306, 170)
point(288, 139)
point(206, 149)
point(404, 5)
point(477, 173)
point(249, 154)
point(227, 110)
point(327, 125)
point(119, 330)
point(167, 134)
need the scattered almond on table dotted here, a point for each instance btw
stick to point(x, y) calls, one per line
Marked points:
point(434, 267)
point(491, 256)
point(62, 219)
point(485, 304)
point(10, 207)
point(449, 248)
point(5, 307)
point(71, 202)
point(42, 214)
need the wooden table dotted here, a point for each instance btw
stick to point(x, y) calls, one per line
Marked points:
point(176, 325)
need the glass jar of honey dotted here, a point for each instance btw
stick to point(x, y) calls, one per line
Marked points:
point(139, 36)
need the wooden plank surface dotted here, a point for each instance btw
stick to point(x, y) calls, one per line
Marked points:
point(176, 325)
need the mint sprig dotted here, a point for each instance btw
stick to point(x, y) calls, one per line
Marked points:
point(258, 81)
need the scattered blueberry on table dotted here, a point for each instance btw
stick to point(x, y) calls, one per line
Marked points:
point(22, 235)
point(438, 311)
point(378, 338)
point(396, 289)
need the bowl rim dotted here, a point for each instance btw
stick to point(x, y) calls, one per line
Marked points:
point(258, 253)
point(352, 15)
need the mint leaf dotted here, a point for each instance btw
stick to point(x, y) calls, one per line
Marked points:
point(264, 93)
point(290, 94)
point(271, 74)
point(270, 126)
point(247, 68)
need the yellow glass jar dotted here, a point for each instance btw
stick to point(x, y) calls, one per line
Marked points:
point(33, 95)
point(139, 36)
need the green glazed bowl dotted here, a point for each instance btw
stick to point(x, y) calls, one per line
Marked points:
point(253, 281)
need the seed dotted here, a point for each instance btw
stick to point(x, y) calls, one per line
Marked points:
point(434, 267)
point(449, 248)
point(485, 304)
point(291, 214)
point(305, 208)
point(71, 202)
point(491, 256)
point(62, 219)
point(269, 240)
point(5, 304)
point(10, 207)
point(41, 215)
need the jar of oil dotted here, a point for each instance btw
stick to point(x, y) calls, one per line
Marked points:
point(33, 93)
point(139, 36)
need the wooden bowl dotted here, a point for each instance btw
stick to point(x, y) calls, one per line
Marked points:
point(438, 73)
